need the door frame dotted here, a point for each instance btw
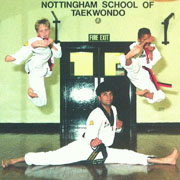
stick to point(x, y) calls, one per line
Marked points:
point(76, 46)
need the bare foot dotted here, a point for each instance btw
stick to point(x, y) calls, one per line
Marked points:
point(31, 93)
point(142, 93)
point(9, 58)
point(171, 159)
point(6, 163)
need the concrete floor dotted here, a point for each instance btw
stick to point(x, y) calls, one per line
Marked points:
point(16, 145)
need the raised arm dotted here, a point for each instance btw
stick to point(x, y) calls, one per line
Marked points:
point(136, 50)
point(42, 43)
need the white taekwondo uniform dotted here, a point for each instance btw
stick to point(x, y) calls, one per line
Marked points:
point(139, 76)
point(79, 150)
point(37, 66)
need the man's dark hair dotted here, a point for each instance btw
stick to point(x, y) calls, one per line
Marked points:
point(103, 87)
point(143, 31)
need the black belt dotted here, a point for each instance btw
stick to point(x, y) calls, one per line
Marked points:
point(91, 159)
point(100, 148)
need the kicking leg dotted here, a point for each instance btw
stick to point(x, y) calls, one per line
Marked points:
point(170, 159)
point(6, 163)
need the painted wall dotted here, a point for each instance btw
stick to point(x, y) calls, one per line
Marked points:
point(17, 20)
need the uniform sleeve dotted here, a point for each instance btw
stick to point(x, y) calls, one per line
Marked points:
point(122, 59)
point(115, 119)
point(93, 125)
point(133, 45)
point(57, 53)
point(24, 52)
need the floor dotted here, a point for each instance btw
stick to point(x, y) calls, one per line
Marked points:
point(160, 144)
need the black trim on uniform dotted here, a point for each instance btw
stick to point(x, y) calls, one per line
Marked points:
point(110, 118)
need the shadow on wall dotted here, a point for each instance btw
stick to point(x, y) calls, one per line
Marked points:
point(161, 64)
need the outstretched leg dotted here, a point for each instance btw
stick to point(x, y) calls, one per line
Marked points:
point(170, 159)
point(6, 163)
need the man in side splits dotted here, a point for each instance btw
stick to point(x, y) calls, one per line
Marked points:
point(102, 124)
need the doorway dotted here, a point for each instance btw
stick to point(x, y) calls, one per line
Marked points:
point(83, 66)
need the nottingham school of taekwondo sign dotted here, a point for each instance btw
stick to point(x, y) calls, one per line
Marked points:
point(95, 8)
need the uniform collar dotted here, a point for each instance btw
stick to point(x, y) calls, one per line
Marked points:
point(110, 118)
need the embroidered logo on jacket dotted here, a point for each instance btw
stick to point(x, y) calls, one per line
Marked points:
point(91, 123)
point(106, 124)
point(26, 43)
